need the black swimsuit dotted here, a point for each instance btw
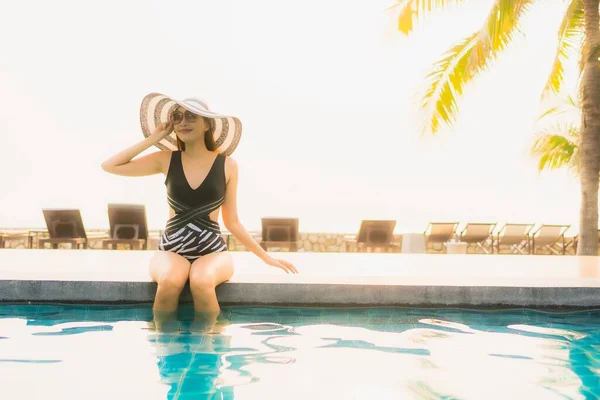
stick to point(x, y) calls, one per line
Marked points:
point(190, 232)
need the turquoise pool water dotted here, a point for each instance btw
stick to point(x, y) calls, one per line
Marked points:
point(118, 352)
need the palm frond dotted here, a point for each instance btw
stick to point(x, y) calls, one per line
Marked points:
point(567, 105)
point(440, 98)
point(503, 21)
point(557, 148)
point(414, 10)
point(572, 102)
point(570, 35)
point(466, 59)
point(550, 112)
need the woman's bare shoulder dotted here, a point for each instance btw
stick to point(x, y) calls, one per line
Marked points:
point(230, 161)
point(231, 167)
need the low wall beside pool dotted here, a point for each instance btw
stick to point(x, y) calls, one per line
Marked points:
point(325, 279)
point(316, 242)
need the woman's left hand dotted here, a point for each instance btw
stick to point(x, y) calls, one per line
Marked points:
point(283, 264)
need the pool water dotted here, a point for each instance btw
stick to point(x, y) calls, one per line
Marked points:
point(119, 352)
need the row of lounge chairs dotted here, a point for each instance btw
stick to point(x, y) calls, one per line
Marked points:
point(511, 238)
point(517, 238)
point(129, 228)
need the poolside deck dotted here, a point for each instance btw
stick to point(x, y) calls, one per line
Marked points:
point(324, 279)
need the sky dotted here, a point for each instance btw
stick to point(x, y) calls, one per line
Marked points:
point(327, 91)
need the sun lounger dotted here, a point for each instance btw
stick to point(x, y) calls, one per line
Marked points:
point(515, 236)
point(572, 242)
point(374, 234)
point(64, 226)
point(480, 235)
point(549, 237)
point(439, 233)
point(128, 226)
point(280, 232)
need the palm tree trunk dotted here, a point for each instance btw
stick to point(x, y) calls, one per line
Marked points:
point(590, 134)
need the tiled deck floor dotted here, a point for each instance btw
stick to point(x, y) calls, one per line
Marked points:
point(324, 279)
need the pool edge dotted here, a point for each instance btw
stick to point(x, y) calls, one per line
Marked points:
point(326, 294)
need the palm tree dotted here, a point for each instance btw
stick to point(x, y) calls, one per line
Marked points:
point(579, 29)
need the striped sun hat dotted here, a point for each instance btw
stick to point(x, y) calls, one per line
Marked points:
point(157, 107)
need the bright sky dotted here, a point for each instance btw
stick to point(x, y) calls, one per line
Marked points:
point(328, 94)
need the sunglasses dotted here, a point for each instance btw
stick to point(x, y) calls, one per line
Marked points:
point(178, 117)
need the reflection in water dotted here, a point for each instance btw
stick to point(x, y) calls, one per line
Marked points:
point(190, 354)
point(259, 353)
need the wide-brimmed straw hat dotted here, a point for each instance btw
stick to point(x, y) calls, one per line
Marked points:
point(156, 109)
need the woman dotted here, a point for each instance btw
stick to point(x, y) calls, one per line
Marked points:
point(201, 179)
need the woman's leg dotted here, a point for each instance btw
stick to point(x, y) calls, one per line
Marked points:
point(170, 271)
point(206, 273)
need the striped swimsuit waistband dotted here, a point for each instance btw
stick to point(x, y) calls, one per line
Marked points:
point(192, 241)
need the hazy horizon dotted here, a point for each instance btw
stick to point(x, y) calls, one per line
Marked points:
point(328, 94)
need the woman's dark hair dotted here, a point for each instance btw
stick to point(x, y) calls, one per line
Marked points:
point(209, 139)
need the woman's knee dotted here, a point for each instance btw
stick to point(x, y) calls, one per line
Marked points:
point(169, 271)
point(209, 271)
point(201, 281)
point(171, 283)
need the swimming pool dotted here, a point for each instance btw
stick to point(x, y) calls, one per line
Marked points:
point(117, 352)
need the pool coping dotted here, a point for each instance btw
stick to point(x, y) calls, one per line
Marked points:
point(305, 294)
point(95, 276)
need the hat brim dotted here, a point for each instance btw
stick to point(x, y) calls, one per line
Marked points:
point(156, 108)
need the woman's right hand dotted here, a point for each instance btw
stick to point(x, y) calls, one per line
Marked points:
point(162, 131)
